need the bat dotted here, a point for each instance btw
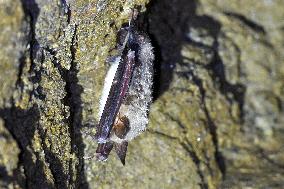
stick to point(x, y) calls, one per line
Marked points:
point(127, 93)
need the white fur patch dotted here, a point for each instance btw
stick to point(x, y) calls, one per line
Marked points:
point(107, 84)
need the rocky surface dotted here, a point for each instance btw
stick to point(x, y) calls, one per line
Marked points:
point(217, 117)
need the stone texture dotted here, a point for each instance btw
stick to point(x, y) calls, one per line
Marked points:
point(11, 47)
point(217, 117)
point(9, 159)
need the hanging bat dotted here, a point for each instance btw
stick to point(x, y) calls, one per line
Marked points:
point(127, 94)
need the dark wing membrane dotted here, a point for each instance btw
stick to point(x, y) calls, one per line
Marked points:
point(116, 95)
point(103, 151)
point(121, 150)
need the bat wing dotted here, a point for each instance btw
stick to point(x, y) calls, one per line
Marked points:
point(116, 95)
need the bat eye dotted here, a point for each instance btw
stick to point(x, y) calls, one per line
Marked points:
point(121, 127)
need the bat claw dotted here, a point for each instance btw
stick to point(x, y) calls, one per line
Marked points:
point(101, 157)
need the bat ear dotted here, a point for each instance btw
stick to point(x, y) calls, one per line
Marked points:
point(121, 150)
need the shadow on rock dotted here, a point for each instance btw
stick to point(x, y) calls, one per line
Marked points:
point(22, 125)
point(169, 24)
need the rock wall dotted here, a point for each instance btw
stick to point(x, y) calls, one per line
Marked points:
point(217, 117)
